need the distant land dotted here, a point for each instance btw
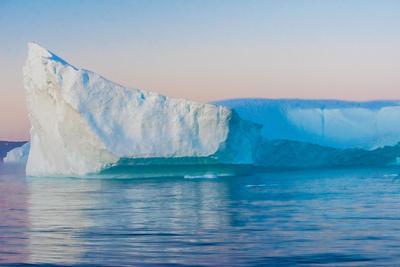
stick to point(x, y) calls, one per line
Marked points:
point(6, 146)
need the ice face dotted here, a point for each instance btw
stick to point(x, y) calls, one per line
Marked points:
point(83, 123)
point(330, 123)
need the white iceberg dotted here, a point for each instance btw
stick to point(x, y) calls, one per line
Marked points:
point(18, 155)
point(83, 123)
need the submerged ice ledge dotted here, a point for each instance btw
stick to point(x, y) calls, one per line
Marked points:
point(270, 155)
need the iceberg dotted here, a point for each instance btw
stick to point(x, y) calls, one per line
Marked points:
point(18, 155)
point(82, 123)
point(323, 133)
point(329, 123)
point(6, 146)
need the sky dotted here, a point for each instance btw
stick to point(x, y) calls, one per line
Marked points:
point(208, 50)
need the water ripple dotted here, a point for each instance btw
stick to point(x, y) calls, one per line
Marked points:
point(310, 218)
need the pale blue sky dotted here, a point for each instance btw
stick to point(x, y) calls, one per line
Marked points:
point(208, 50)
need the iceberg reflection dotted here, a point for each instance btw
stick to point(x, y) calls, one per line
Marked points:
point(14, 215)
point(75, 220)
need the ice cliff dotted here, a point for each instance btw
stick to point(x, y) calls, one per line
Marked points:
point(83, 123)
point(323, 133)
point(329, 123)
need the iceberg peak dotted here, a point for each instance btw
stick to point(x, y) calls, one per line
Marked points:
point(36, 50)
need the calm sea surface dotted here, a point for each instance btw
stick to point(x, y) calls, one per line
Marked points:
point(324, 217)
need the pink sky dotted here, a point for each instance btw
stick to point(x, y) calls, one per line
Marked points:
point(209, 50)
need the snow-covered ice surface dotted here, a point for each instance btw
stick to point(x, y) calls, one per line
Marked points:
point(329, 123)
point(18, 155)
point(83, 123)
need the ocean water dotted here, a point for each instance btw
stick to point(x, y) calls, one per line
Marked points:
point(348, 217)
